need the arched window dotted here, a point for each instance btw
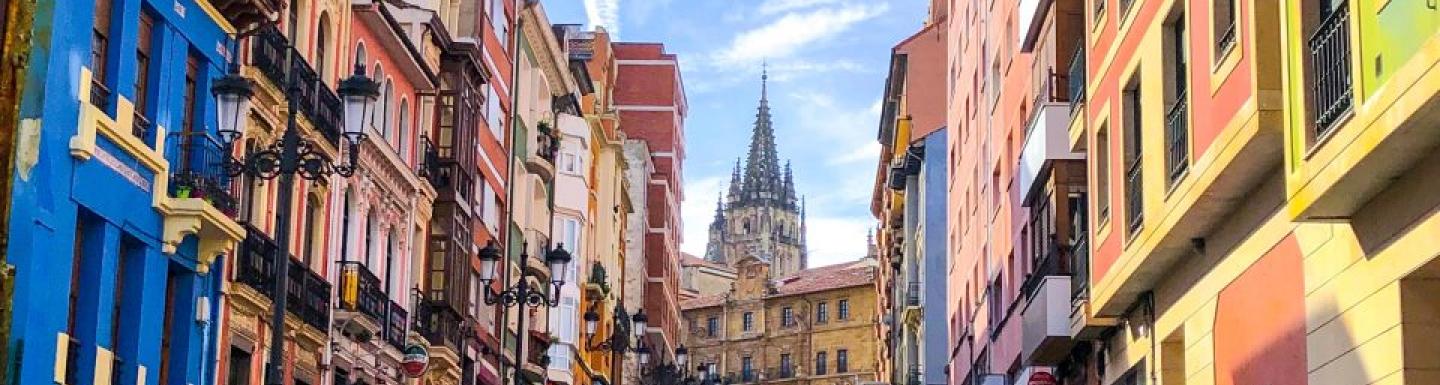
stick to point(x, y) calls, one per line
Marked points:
point(322, 47)
point(390, 275)
point(359, 55)
point(387, 110)
point(402, 126)
point(375, 115)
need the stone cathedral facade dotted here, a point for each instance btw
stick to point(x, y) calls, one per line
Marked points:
point(760, 215)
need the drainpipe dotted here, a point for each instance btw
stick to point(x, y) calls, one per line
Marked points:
point(16, 52)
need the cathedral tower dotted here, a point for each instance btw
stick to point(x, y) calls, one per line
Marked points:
point(760, 215)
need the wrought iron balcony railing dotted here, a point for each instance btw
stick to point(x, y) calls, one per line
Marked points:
point(141, 128)
point(1051, 263)
point(1331, 85)
point(429, 161)
point(1177, 138)
point(307, 295)
point(99, 94)
point(912, 293)
point(315, 99)
point(361, 291)
point(1076, 79)
point(395, 325)
point(1134, 195)
point(439, 324)
point(1080, 266)
point(197, 170)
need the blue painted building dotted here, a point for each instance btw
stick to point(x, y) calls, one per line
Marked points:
point(933, 214)
point(120, 204)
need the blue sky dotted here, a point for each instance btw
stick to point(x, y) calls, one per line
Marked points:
point(827, 68)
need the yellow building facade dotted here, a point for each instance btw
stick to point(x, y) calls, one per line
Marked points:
point(811, 327)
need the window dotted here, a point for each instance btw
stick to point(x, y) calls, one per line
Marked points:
point(489, 207)
point(1102, 173)
point(370, 238)
point(100, 53)
point(142, 76)
point(748, 321)
point(787, 316)
point(376, 118)
point(747, 369)
point(498, 20)
point(322, 47)
point(402, 127)
point(238, 372)
point(1177, 128)
point(786, 369)
point(992, 301)
point(345, 224)
point(820, 364)
point(1224, 31)
point(570, 163)
point(842, 361)
point(387, 111)
point(192, 79)
point(359, 54)
point(314, 230)
point(822, 312)
point(1134, 190)
point(1330, 84)
point(844, 309)
point(494, 115)
point(172, 279)
point(712, 326)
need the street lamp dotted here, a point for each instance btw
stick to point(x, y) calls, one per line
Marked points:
point(289, 157)
point(521, 292)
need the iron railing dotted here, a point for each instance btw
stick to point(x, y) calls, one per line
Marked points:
point(912, 293)
point(547, 143)
point(1076, 79)
point(429, 161)
point(780, 373)
point(1177, 138)
point(315, 99)
point(1080, 267)
point(1054, 88)
point(439, 324)
point(748, 376)
point(1134, 195)
point(141, 128)
point(197, 170)
point(453, 174)
point(367, 298)
point(395, 325)
point(1330, 58)
point(99, 94)
point(307, 294)
point(1050, 264)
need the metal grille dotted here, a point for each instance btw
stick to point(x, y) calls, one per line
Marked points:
point(1134, 194)
point(1330, 58)
point(1177, 138)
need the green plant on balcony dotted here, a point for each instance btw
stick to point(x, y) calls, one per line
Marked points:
point(597, 278)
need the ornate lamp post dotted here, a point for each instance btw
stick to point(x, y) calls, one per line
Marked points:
point(285, 159)
point(521, 292)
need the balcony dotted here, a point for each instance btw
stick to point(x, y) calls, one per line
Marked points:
point(780, 374)
point(1177, 139)
point(395, 325)
point(360, 293)
point(429, 161)
point(307, 294)
point(540, 154)
point(1076, 79)
point(315, 100)
point(912, 293)
point(1046, 140)
point(440, 325)
point(197, 170)
point(1045, 317)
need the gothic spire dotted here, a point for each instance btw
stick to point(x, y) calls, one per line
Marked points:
point(762, 171)
point(736, 186)
point(719, 212)
point(789, 192)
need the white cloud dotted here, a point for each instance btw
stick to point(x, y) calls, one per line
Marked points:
point(604, 13)
point(835, 240)
point(795, 30)
point(865, 154)
point(777, 6)
point(698, 210)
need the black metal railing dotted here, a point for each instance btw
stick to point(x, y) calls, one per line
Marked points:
point(1177, 138)
point(395, 325)
point(1080, 267)
point(1330, 58)
point(748, 376)
point(99, 94)
point(438, 324)
point(1076, 79)
point(1050, 264)
point(1226, 40)
point(547, 141)
point(141, 128)
point(361, 290)
point(1134, 195)
point(780, 373)
point(912, 293)
point(197, 170)
point(1054, 88)
point(454, 175)
point(307, 294)
point(429, 161)
point(315, 99)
